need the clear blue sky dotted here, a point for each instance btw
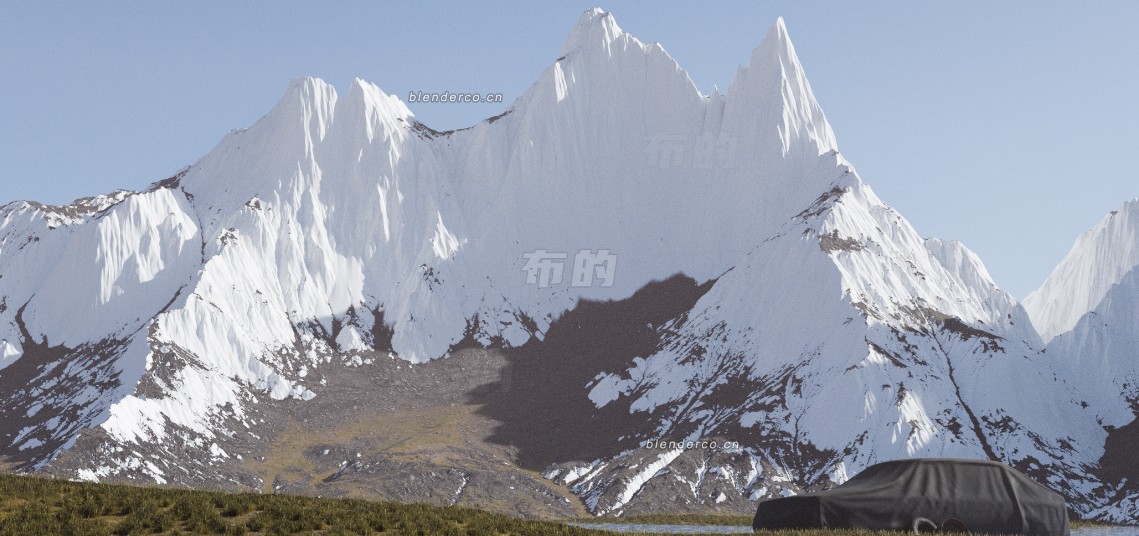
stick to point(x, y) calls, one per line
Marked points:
point(1011, 126)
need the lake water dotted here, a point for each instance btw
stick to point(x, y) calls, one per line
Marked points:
point(633, 528)
point(1108, 531)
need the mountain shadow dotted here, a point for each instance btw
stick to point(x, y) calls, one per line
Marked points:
point(541, 399)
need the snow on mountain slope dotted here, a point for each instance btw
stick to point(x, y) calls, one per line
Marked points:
point(846, 340)
point(1101, 351)
point(382, 190)
point(1100, 258)
point(1089, 309)
point(78, 288)
point(289, 241)
point(112, 261)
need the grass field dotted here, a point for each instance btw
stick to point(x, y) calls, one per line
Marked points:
point(34, 505)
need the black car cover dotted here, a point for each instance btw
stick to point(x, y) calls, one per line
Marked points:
point(924, 495)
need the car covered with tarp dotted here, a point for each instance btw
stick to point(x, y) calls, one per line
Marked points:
point(926, 495)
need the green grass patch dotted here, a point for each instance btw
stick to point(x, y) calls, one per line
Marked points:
point(1081, 524)
point(34, 505)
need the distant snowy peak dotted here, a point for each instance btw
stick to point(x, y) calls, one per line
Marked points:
point(1089, 309)
point(1100, 258)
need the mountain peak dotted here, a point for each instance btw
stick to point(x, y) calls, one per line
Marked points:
point(776, 47)
point(594, 27)
point(773, 88)
point(376, 107)
point(778, 33)
point(310, 101)
point(310, 90)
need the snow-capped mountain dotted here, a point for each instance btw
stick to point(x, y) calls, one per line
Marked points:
point(340, 297)
point(1090, 308)
point(845, 340)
